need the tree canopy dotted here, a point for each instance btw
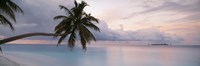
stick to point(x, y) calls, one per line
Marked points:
point(77, 21)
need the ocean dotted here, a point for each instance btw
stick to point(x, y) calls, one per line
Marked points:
point(103, 55)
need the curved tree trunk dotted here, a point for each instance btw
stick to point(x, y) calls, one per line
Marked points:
point(3, 41)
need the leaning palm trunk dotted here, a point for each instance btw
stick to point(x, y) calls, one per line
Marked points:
point(3, 41)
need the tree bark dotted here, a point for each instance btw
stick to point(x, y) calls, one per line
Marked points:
point(3, 41)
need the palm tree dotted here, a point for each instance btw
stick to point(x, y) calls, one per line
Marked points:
point(77, 21)
point(8, 8)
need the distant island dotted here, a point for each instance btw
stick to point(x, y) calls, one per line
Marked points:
point(160, 44)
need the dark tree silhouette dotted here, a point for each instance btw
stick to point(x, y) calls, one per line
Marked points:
point(77, 21)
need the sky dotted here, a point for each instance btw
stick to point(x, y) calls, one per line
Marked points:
point(120, 20)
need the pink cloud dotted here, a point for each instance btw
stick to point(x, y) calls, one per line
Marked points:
point(27, 41)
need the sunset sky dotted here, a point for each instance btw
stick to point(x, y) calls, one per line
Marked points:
point(120, 20)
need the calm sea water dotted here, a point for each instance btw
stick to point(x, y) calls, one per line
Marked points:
point(104, 55)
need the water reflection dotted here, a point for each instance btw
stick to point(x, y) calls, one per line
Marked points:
point(112, 55)
point(153, 56)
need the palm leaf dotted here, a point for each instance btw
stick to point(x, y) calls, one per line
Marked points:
point(86, 33)
point(5, 21)
point(66, 9)
point(8, 8)
point(88, 17)
point(9, 12)
point(86, 36)
point(71, 40)
point(61, 39)
point(60, 17)
point(76, 4)
point(15, 7)
point(92, 26)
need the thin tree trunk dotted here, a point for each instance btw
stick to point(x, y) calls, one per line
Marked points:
point(3, 41)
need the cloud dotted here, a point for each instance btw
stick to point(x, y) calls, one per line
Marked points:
point(106, 33)
point(164, 6)
point(148, 34)
point(26, 41)
point(39, 15)
point(25, 25)
point(186, 7)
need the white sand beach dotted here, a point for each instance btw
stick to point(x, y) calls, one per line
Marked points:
point(4, 61)
point(27, 59)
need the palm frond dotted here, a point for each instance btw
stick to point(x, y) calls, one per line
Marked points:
point(90, 35)
point(82, 5)
point(15, 7)
point(5, 22)
point(64, 25)
point(9, 12)
point(71, 40)
point(79, 10)
point(62, 38)
point(75, 2)
point(83, 41)
point(86, 36)
point(82, 38)
point(60, 17)
point(8, 8)
point(66, 9)
point(90, 18)
point(92, 26)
